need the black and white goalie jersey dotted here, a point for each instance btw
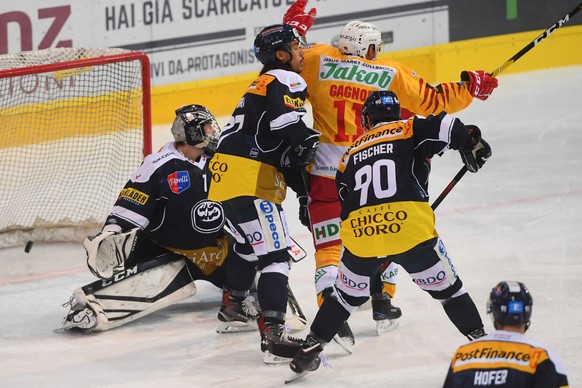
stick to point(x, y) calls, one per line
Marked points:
point(167, 198)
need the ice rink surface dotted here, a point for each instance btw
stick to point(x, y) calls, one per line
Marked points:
point(520, 218)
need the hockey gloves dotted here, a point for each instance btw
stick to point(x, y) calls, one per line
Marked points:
point(477, 150)
point(479, 83)
point(303, 212)
point(302, 154)
point(298, 18)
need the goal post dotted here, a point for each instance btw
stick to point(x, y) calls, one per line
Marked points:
point(75, 123)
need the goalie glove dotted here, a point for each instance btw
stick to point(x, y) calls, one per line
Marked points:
point(298, 18)
point(477, 151)
point(108, 250)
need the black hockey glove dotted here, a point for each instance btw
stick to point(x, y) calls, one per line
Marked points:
point(476, 151)
point(303, 212)
point(302, 154)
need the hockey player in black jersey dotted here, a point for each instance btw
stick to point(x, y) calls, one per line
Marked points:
point(161, 235)
point(382, 182)
point(506, 358)
point(260, 153)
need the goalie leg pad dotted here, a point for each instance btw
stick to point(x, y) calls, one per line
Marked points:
point(139, 291)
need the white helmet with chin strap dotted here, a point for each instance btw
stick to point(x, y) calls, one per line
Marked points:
point(357, 36)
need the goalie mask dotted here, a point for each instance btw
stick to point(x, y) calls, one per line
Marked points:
point(510, 303)
point(357, 36)
point(195, 125)
point(380, 106)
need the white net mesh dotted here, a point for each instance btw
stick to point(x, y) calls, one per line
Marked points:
point(72, 134)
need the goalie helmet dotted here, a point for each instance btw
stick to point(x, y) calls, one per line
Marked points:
point(274, 38)
point(380, 106)
point(357, 36)
point(510, 303)
point(190, 125)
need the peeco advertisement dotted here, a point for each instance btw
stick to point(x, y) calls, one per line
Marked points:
point(190, 40)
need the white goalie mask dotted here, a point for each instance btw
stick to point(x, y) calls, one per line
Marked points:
point(357, 36)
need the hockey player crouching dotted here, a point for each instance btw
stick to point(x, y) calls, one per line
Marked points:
point(382, 182)
point(161, 235)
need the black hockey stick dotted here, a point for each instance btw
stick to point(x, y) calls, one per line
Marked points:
point(294, 306)
point(537, 40)
point(498, 71)
point(449, 187)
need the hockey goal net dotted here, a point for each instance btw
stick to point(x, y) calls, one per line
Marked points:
point(74, 123)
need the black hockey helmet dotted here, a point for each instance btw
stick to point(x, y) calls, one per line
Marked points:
point(189, 126)
point(510, 303)
point(274, 38)
point(381, 105)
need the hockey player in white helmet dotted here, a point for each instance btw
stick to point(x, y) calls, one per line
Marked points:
point(161, 235)
point(339, 80)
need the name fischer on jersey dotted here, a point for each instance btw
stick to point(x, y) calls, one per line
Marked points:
point(364, 154)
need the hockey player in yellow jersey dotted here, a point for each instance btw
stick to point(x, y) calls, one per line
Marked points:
point(506, 358)
point(338, 82)
point(386, 217)
point(262, 150)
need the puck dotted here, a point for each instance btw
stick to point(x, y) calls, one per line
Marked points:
point(28, 246)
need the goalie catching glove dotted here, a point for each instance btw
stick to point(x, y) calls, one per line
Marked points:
point(479, 83)
point(298, 18)
point(477, 150)
point(108, 251)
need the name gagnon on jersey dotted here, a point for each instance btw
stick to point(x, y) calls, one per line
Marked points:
point(207, 216)
point(355, 71)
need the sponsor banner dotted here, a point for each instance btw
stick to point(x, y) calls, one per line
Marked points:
point(189, 40)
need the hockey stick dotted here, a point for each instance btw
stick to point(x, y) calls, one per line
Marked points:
point(296, 309)
point(498, 71)
point(449, 187)
point(537, 40)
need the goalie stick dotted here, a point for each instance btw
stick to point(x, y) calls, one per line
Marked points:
point(498, 71)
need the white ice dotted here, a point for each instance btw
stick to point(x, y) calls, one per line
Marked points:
point(519, 218)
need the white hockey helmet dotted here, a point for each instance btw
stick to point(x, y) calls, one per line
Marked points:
point(357, 36)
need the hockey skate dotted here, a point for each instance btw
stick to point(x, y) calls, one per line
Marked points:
point(306, 360)
point(80, 317)
point(237, 313)
point(384, 313)
point(345, 338)
point(279, 347)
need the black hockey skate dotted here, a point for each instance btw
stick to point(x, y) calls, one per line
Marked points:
point(306, 360)
point(237, 313)
point(279, 347)
point(384, 313)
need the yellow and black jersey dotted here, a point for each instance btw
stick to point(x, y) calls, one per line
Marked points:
point(265, 123)
point(339, 84)
point(382, 182)
point(505, 359)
